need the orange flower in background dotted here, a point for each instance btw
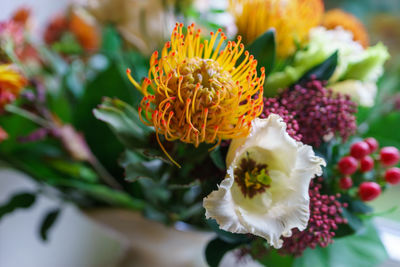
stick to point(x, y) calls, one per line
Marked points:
point(3, 135)
point(347, 21)
point(80, 24)
point(56, 27)
point(11, 84)
point(196, 93)
point(291, 19)
point(22, 15)
point(83, 26)
point(144, 24)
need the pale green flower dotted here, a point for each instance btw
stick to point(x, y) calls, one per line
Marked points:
point(354, 62)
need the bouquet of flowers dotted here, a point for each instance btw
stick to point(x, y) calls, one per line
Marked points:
point(273, 138)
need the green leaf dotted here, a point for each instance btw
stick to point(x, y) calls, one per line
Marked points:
point(48, 222)
point(111, 41)
point(154, 191)
point(264, 50)
point(322, 71)
point(105, 194)
point(75, 169)
point(136, 167)
point(124, 122)
point(358, 206)
point(352, 220)
point(101, 140)
point(216, 250)
point(274, 259)
point(217, 159)
point(18, 201)
point(363, 249)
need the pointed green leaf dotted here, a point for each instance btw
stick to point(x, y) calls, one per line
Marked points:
point(264, 50)
point(18, 201)
point(322, 71)
point(124, 122)
point(217, 159)
point(48, 222)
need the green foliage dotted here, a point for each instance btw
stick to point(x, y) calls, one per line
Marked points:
point(124, 122)
point(217, 158)
point(225, 236)
point(273, 259)
point(74, 169)
point(323, 71)
point(364, 249)
point(17, 201)
point(216, 250)
point(47, 223)
point(99, 137)
point(111, 41)
point(264, 50)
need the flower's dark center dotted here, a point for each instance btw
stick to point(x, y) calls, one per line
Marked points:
point(251, 177)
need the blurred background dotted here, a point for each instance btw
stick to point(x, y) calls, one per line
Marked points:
point(77, 241)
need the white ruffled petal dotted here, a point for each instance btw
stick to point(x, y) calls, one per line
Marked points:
point(281, 207)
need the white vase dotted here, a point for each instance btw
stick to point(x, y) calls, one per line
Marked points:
point(152, 244)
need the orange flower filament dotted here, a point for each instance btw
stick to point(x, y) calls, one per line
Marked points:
point(195, 92)
point(347, 21)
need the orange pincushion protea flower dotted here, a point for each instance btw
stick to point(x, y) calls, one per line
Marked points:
point(196, 93)
point(11, 84)
point(347, 21)
point(292, 20)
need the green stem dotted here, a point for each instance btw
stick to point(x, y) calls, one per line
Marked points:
point(28, 115)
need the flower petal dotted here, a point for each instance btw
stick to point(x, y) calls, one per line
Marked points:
point(284, 205)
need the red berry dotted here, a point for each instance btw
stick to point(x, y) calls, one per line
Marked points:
point(369, 191)
point(372, 143)
point(359, 150)
point(345, 183)
point(389, 155)
point(366, 164)
point(392, 175)
point(347, 165)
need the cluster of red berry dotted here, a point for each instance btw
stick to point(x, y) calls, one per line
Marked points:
point(363, 158)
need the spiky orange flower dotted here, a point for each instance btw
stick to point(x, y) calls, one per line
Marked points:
point(292, 20)
point(337, 17)
point(196, 93)
point(11, 84)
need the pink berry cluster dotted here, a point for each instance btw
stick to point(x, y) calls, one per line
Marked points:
point(319, 112)
point(271, 105)
point(363, 158)
point(325, 215)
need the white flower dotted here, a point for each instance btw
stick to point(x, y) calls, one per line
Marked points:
point(265, 192)
point(361, 92)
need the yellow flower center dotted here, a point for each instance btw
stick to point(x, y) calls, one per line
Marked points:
point(252, 178)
